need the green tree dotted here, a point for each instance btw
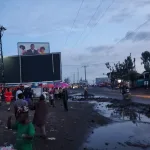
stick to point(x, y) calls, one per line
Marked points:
point(145, 56)
point(124, 71)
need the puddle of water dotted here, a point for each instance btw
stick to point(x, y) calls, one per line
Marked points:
point(118, 114)
point(115, 136)
point(100, 96)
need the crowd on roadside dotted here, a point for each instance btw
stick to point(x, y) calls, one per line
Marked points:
point(23, 103)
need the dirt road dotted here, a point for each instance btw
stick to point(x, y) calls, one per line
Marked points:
point(68, 128)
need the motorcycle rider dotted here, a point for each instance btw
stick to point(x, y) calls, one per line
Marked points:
point(125, 91)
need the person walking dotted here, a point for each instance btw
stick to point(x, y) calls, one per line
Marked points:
point(65, 99)
point(18, 92)
point(85, 93)
point(8, 97)
point(56, 93)
point(19, 103)
point(40, 116)
point(51, 97)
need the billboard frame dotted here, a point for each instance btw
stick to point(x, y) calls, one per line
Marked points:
point(37, 55)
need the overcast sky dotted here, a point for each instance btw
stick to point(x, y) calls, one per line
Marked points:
point(91, 40)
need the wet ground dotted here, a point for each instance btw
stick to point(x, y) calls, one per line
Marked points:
point(120, 136)
point(112, 124)
point(129, 129)
point(113, 94)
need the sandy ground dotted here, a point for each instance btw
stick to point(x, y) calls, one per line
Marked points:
point(69, 128)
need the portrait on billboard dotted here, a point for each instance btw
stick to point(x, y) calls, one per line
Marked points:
point(35, 48)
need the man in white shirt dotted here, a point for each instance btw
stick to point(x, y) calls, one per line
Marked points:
point(17, 93)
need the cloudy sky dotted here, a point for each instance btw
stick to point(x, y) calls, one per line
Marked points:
point(103, 30)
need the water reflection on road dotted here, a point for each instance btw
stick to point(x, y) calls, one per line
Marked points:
point(120, 136)
point(134, 114)
point(129, 131)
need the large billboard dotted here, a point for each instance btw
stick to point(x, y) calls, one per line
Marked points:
point(41, 68)
point(11, 70)
point(33, 48)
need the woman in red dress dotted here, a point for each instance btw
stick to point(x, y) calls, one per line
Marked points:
point(8, 98)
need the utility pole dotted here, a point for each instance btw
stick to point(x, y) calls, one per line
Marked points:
point(93, 82)
point(78, 74)
point(74, 77)
point(85, 72)
point(2, 29)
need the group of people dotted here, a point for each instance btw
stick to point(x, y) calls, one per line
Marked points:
point(57, 94)
point(8, 95)
point(26, 130)
point(32, 50)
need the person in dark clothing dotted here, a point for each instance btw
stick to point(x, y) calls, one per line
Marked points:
point(26, 93)
point(124, 89)
point(51, 97)
point(85, 93)
point(3, 94)
point(32, 51)
point(19, 103)
point(31, 94)
point(40, 116)
point(65, 99)
point(28, 98)
point(14, 94)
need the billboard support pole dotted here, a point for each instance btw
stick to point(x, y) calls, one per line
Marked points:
point(53, 64)
point(60, 67)
point(20, 69)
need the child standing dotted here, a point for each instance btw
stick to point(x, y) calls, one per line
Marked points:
point(25, 130)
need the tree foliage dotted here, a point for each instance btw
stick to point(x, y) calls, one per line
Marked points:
point(145, 56)
point(124, 70)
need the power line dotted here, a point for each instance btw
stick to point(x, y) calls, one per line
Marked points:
point(74, 21)
point(140, 26)
point(98, 20)
point(100, 4)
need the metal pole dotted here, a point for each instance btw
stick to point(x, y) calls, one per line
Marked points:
point(1, 53)
point(20, 69)
point(74, 77)
point(85, 71)
point(78, 74)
